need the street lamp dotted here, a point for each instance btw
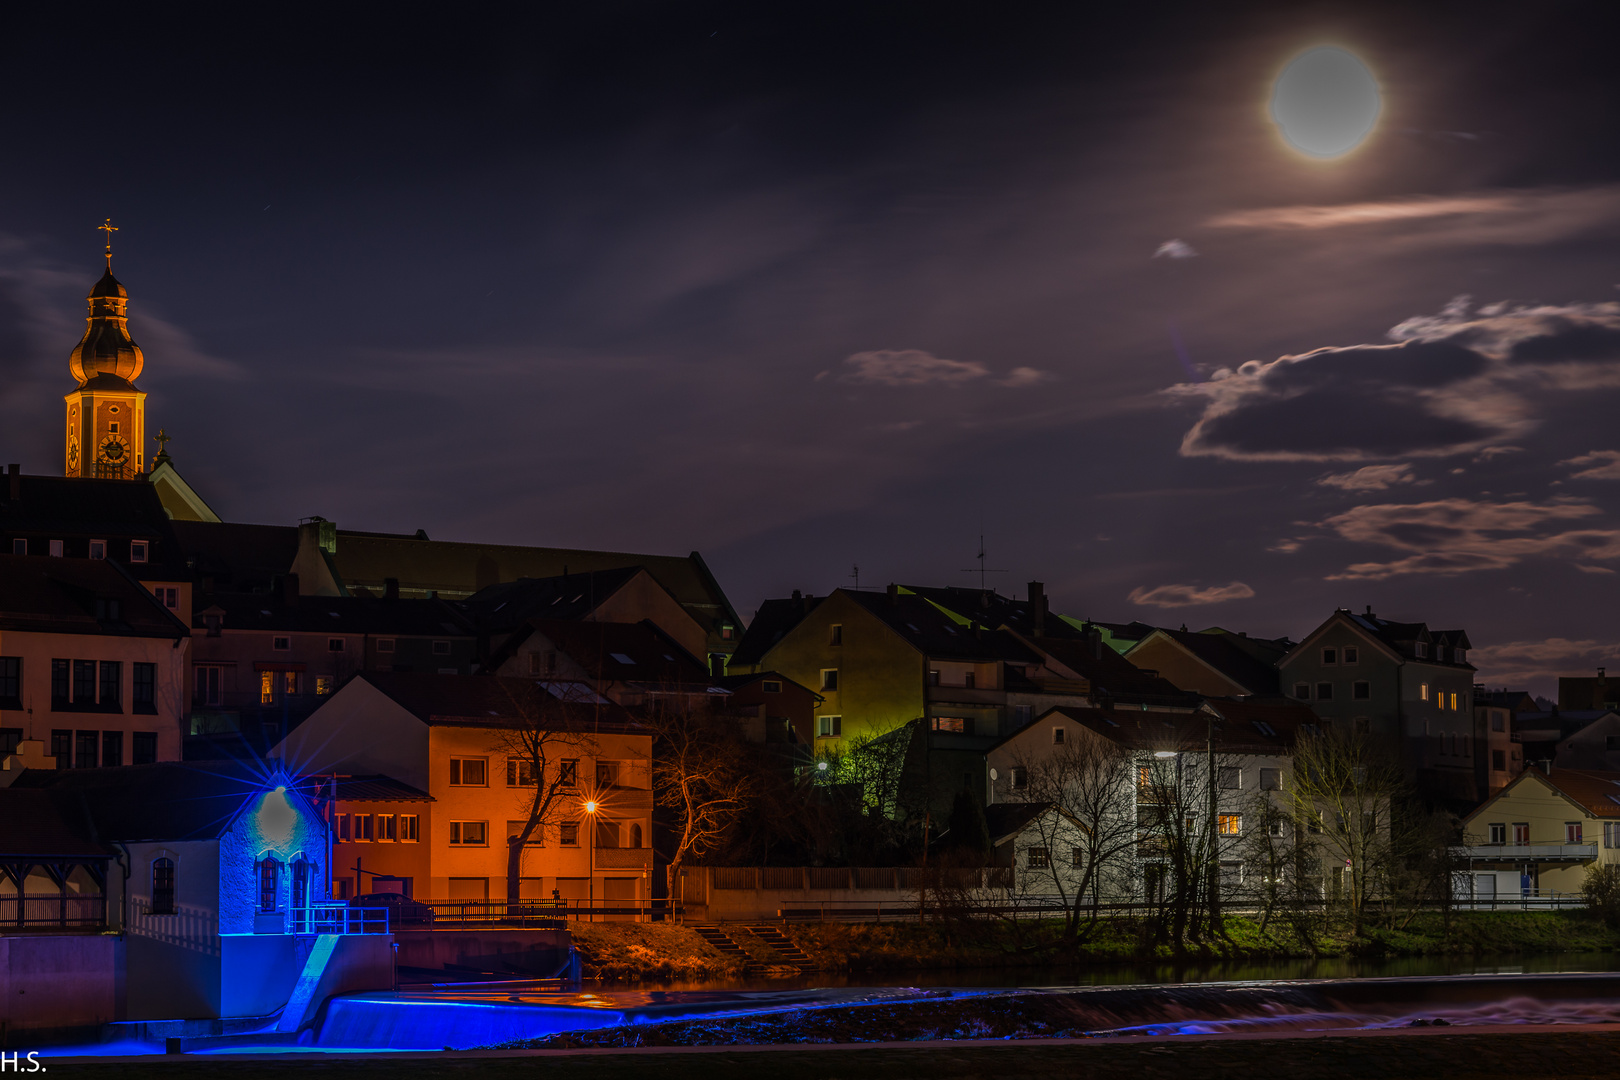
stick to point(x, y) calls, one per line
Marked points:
point(591, 806)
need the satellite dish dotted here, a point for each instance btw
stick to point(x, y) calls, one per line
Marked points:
point(993, 775)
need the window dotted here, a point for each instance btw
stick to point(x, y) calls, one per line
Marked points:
point(520, 773)
point(1423, 692)
point(933, 678)
point(568, 834)
point(1270, 779)
point(1229, 777)
point(363, 833)
point(410, 828)
point(1330, 657)
point(84, 682)
point(19, 546)
point(1420, 649)
point(85, 747)
point(143, 748)
point(1351, 654)
point(209, 678)
point(112, 681)
point(9, 738)
point(1459, 655)
point(56, 549)
point(1057, 736)
point(441, 648)
point(323, 685)
point(1498, 832)
point(568, 772)
point(1361, 691)
point(1498, 724)
point(1229, 824)
point(334, 644)
point(281, 644)
point(727, 632)
point(1018, 775)
point(137, 551)
point(1521, 832)
point(162, 887)
point(469, 772)
point(607, 774)
point(1611, 834)
point(10, 682)
point(1302, 691)
point(829, 678)
point(1231, 874)
point(952, 725)
point(469, 833)
point(62, 747)
point(169, 598)
point(300, 884)
point(112, 749)
point(386, 827)
point(340, 828)
point(1499, 761)
point(385, 644)
point(1454, 701)
point(98, 549)
point(771, 686)
point(1039, 858)
point(269, 871)
point(1324, 691)
point(1572, 832)
point(829, 727)
point(835, 634)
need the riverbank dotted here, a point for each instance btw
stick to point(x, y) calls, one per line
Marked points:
point(638, 952)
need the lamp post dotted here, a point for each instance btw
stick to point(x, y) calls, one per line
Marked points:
point(590, 854)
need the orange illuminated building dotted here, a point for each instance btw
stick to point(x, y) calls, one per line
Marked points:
point(106, 414)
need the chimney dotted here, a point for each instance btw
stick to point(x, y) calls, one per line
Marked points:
point(894, 593)
point(390, 588)
point(289, 590)
point(1096, 643)
point(797, 595)
point(1369, 611)
point(15, 473)
point(1037, 608)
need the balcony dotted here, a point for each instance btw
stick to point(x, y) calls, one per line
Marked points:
point(1527, 852)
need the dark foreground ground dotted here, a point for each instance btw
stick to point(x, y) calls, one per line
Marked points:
point(1569, 1053)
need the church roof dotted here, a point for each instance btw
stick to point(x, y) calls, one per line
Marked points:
point(108, 286)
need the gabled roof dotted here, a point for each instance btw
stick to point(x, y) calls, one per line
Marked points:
point(1398, 639)
point(1110, 674)
point(1597, 793)
point(1220, 654)
point(192, 800)
point(493, 701)
point(625, 652)
point(338, 615)
point(572, 596)
point(931, 630)
point(989, 608)
point(75, 596)
point(374, 788)
point(738, 681)
point(770, 624)
point(1008, 820)
point(1237, 733)
point(70, 507)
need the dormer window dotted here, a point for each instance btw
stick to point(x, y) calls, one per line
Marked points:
point(1459, 655)
point(98, 549)
point(1420, 649)
point(137, 550)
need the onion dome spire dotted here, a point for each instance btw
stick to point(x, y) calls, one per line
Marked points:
point(107, 353)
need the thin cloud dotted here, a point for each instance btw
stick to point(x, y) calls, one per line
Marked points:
point(1369, 478)
point(1175, 249)
point(1176, 596)
point(1460, 536)
point(1522, 661)
point(1333, 217)
point(914, 367)
point(1601, 465)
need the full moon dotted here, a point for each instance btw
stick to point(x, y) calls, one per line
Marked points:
point(1325, 102)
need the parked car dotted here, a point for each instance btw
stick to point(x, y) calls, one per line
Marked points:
point(402, 910)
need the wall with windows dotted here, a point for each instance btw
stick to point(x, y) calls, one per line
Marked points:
point(1532, 811)
point(381, 837)
point(94, 699)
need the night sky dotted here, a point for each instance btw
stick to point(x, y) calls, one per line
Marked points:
point(806, 286)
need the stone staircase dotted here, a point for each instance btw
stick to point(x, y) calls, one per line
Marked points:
point(782, 945)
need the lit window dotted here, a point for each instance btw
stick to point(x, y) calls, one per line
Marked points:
point(1423, 692)
point(323, 685)
point(137, 551)
point(1229, 824)
point(469, 833)
point(954, 725)
point(469, 772)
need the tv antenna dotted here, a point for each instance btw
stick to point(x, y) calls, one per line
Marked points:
point(982, 569)
point(855, 572)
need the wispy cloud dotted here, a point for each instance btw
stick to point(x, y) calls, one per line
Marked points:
point(1369, 478)
point(1175, 249)
point(1332, 217)
point(1459, 536)
point(914, 367)
point(1519, 662)
point(1176, 596)
point(1600, 465)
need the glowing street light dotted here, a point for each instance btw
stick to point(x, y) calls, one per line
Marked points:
point(591, 806)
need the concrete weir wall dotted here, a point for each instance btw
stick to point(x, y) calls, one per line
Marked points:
point(535, 953)
point(59, 982)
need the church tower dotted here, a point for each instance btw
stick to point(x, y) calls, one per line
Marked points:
point(106, 415)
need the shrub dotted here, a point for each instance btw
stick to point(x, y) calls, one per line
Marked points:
point(1602, 892)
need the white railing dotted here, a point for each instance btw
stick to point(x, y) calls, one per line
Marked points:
point(336, 917)
point(1512, 852)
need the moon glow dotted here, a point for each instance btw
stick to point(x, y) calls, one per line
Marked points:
point(1325, 102)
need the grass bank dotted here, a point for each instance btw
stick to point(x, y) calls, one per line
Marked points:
point(633, 952)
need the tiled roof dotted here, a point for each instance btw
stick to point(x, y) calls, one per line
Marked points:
point(625, 652)
point(73, 596)
point(1401, 637)
point(1239, 664)
point(338, 614)
point(193, 800)
point(376, 788)
point(1598, 791)
point(491, 701)
point(1239, 727)
point(1111, 675)
point(36, 823)
point(770, 624)
point(574, 596)
point(932, 631)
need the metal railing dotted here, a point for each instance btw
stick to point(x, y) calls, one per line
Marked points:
point(56, 909)
point(1523, 852)
point(336, 917)
point(1521, 900)
point(537, 914)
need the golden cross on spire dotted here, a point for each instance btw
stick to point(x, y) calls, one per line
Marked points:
point(162, 439)
point(109, 228)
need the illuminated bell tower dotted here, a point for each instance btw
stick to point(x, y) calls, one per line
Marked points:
point(106, 415)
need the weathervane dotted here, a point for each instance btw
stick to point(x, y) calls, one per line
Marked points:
point(109, 228)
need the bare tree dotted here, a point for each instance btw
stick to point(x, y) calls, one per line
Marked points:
point(702, 778)
point(1342, 791)
point(1089, 840)
point(542, 743)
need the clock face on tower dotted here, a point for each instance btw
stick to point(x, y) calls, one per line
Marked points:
point(73, 456)
point(114, 449)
